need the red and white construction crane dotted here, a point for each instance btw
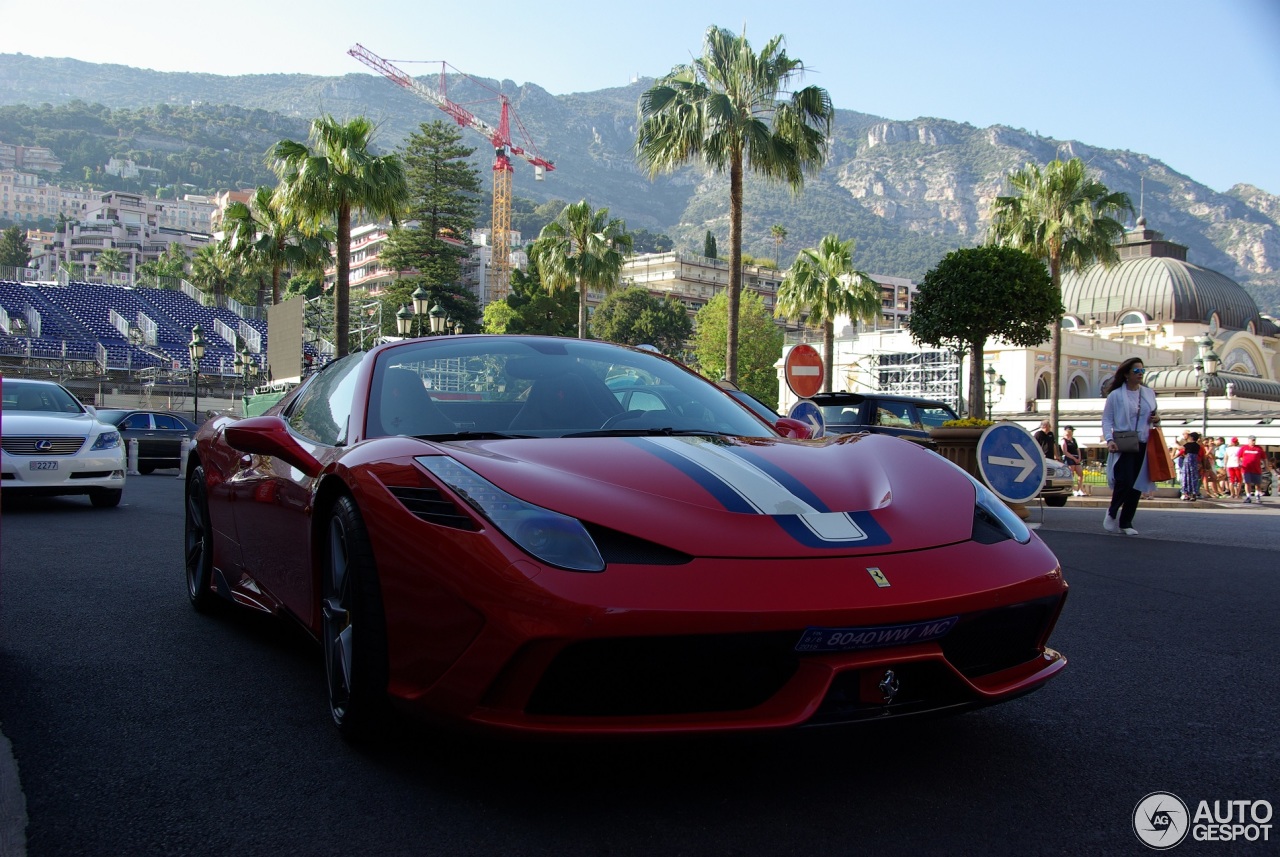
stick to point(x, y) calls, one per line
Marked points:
point(503, 148)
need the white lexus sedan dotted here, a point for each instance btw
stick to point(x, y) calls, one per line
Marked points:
point(54, 445)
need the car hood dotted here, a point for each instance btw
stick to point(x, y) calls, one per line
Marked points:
point(749, 497)
point(35, 422)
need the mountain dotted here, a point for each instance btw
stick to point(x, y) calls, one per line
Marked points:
point(908, 191)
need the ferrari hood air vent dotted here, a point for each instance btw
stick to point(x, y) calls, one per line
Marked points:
point(433, 507)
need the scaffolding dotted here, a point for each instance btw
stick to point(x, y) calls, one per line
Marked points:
point(921, 374)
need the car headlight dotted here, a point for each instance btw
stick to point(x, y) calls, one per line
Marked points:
point(107, 440)
point(549, 536)
point(996, 512)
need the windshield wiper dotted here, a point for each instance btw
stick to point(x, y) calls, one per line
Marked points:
point(471, 435)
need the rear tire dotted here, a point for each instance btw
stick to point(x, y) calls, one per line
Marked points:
point(353, 626)
point(198, 543)
point(146, 469)
point(105, 498)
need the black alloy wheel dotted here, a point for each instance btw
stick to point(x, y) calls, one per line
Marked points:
point(198, 543)
point(354, 626)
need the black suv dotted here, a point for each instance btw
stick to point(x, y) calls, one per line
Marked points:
point(902, 416)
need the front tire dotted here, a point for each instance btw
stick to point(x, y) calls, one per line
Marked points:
point(198, 543)
point(105, 498)
point(353, 626)
point(1055, 501)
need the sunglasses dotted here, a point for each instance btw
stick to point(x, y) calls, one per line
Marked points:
point(1138, 370)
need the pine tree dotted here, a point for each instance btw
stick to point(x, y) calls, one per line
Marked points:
point(444, 203)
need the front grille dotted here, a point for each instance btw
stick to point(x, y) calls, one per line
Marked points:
point(650, 676)
point(57, 445)
point(922, 687)
point(987, 642)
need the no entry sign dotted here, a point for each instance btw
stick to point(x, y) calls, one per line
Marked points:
point(803, 369)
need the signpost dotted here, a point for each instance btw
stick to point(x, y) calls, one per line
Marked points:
point(1010, 462)
point(803, 370)
point(811, 415)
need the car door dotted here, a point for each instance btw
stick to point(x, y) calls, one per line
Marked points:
point(170, 432)
point(138, 427)
point(272, 505)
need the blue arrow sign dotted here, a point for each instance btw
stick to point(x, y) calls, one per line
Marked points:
point(1011, 462)
point(811, 415)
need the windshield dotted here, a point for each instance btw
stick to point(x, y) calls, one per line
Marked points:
point(543, 387)
point(46, 398)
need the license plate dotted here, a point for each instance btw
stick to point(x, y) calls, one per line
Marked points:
point(43, 465)
point(875, 637)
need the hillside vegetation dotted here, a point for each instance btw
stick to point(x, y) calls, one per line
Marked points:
point(908, 191)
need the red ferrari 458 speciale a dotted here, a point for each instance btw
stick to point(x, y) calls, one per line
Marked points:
point(538, 535)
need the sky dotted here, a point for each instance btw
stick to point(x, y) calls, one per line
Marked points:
point(1193, 83)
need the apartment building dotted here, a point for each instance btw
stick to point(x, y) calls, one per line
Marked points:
point(128, 222)
point(28, 158)
point(25, 196)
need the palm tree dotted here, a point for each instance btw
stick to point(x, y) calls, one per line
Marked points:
point(112, 261)
point(779, 233)
point(724, 108)
point(213, 268)
point(581, 249)
point(262, 235)
point(340, 176)
point(1064, 218)
point(823, 283)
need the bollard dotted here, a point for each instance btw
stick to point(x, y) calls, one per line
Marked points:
point(131, 464)
point(187, 443)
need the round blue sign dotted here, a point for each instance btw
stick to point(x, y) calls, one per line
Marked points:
point(1011, 462)
point(811, 415)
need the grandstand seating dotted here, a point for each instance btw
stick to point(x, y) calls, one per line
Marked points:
point(75, 318)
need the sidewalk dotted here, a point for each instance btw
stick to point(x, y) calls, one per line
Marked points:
point(13, 805)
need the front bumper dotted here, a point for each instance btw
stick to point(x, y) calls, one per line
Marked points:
point(73, 474)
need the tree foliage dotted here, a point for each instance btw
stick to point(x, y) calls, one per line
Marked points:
point(444, 200)
point(340, 176)
point(726, 109)
point(14, 252)
point(823, 284)
point(635, 317)
point(581, 249)
point(529, 308)
point(1067, 220)
point(983, 293)
point(761, 345)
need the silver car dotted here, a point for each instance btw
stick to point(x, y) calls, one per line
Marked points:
point(54, 445)
point(1058, 482)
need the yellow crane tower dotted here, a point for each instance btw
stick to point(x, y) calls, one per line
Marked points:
point(499, 280)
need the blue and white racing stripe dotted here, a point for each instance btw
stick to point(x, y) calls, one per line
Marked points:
point(747, 483)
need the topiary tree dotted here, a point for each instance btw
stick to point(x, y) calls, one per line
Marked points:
point(982, 293)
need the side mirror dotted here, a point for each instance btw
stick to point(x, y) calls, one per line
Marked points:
point(270, 436)
point(788, 427)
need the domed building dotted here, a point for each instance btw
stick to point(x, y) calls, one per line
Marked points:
point(1212, 357)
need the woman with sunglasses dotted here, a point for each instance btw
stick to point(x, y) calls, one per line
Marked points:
point(1130, 406)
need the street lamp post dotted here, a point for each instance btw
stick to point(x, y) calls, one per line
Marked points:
point(249, 369)
point(196, 349)
point(437, 315)
point(1207, 364)
point(404, 320)
point(993, 384)
point(421, 299)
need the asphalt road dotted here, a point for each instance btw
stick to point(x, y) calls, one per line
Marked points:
point(142, 728)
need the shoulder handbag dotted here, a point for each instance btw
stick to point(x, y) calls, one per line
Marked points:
point(1125, 440)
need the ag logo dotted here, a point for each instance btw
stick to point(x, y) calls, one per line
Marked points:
point(1161, 820)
